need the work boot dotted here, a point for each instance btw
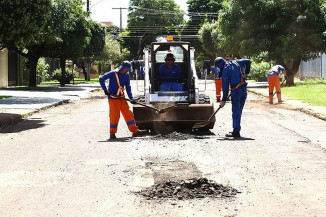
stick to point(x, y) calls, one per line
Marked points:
point(233, 134)
point(281, 101)
point(271, 102)
point(112, 136)
point(140, 133)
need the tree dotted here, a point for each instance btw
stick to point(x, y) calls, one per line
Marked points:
point(72, 32)
point(202, 12)
point(62, 33)
point(148, 19)
point(94, 49)
point(22, 21)
point(208, 37)
point(287, 30)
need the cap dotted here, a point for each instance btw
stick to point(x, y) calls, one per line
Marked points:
point(125, 64)
point(219, 62)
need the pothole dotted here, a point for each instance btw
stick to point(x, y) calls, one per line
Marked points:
point(188, 189)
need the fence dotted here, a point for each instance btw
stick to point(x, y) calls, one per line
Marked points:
point(315, 68)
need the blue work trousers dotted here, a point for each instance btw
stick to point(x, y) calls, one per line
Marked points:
point(238, 99)
point(171, 86)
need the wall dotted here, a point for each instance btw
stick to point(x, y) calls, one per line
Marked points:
point(315, 68)
point(4, 68)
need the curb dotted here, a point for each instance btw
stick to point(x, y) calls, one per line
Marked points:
point(7, 119)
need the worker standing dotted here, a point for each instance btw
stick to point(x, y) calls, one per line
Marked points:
point(274, 81)
point(119, 79)
point(218, 82)
point(233, 75)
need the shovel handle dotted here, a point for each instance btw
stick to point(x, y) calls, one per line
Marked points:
point(147, 106)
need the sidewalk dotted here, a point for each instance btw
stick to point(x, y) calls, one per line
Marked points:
point(23, 103)
point(261, 88)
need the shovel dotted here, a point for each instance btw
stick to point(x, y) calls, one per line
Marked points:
point(138, 103)
point(206, 123)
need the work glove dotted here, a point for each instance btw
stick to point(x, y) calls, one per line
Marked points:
point(107, 93)
point(133, 102)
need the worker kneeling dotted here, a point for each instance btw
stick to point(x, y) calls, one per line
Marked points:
point(169, 74)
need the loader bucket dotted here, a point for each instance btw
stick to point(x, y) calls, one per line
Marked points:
point(178, 117)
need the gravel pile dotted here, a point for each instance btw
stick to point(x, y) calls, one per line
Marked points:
point(188, 189)
point(174, 136)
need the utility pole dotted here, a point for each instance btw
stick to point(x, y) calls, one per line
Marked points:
point(120, 24)
point(88, 71)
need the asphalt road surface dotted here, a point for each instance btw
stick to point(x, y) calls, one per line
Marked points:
point(59, 162)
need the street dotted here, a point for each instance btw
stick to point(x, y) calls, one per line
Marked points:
point(59, 162)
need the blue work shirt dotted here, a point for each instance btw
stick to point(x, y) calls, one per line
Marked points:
point(113, 84)
point(231, 74)
point(165, 71)
point(275, 70)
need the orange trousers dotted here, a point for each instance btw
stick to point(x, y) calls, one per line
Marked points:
point(274, 81)
point(218, 87)
point(117, 106)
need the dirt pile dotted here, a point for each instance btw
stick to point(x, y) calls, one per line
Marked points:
point(188, 189)
point(176, 136)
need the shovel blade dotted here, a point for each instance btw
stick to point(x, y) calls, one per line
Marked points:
point(201, 125)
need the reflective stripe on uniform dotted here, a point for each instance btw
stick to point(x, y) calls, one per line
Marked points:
point(131, 122)
point(113, 125)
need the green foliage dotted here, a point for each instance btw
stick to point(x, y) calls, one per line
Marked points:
point(57, 75)
point(258, 70)
point(202, 12)
point(148, 19)
point(4, 97)
point(97, 42)
point(23, 21)
point(42, 70)
point(287, 31)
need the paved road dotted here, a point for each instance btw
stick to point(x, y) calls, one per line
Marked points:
point(59, 162)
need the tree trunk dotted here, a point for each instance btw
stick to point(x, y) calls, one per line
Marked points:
point(32, 59)
point(63, 71)
point(291, 70)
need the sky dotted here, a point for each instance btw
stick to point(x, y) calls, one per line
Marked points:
point(101, 10)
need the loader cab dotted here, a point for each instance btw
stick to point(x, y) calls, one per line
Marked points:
point(181, 51)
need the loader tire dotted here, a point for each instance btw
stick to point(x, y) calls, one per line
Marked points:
point(204, 99)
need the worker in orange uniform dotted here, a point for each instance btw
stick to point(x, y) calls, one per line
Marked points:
point(218, 77)
point(274, 81)
point(218, 82)
point(120, 79)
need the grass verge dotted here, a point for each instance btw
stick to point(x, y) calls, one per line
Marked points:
point(310, 91)
point(4, 97)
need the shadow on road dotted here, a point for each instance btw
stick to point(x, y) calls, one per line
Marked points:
point(122, 139)
point(232, 139)
point(26, 124)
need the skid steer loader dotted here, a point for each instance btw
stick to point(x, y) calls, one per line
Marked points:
point(182, 109)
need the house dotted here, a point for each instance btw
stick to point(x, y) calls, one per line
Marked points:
point(12, 69)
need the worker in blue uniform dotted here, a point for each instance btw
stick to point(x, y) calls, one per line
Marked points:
point(170, 73)
point(234, 73)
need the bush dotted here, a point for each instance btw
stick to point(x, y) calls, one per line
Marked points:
point(258, 70)
point(57, 75)
point(42, 71)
